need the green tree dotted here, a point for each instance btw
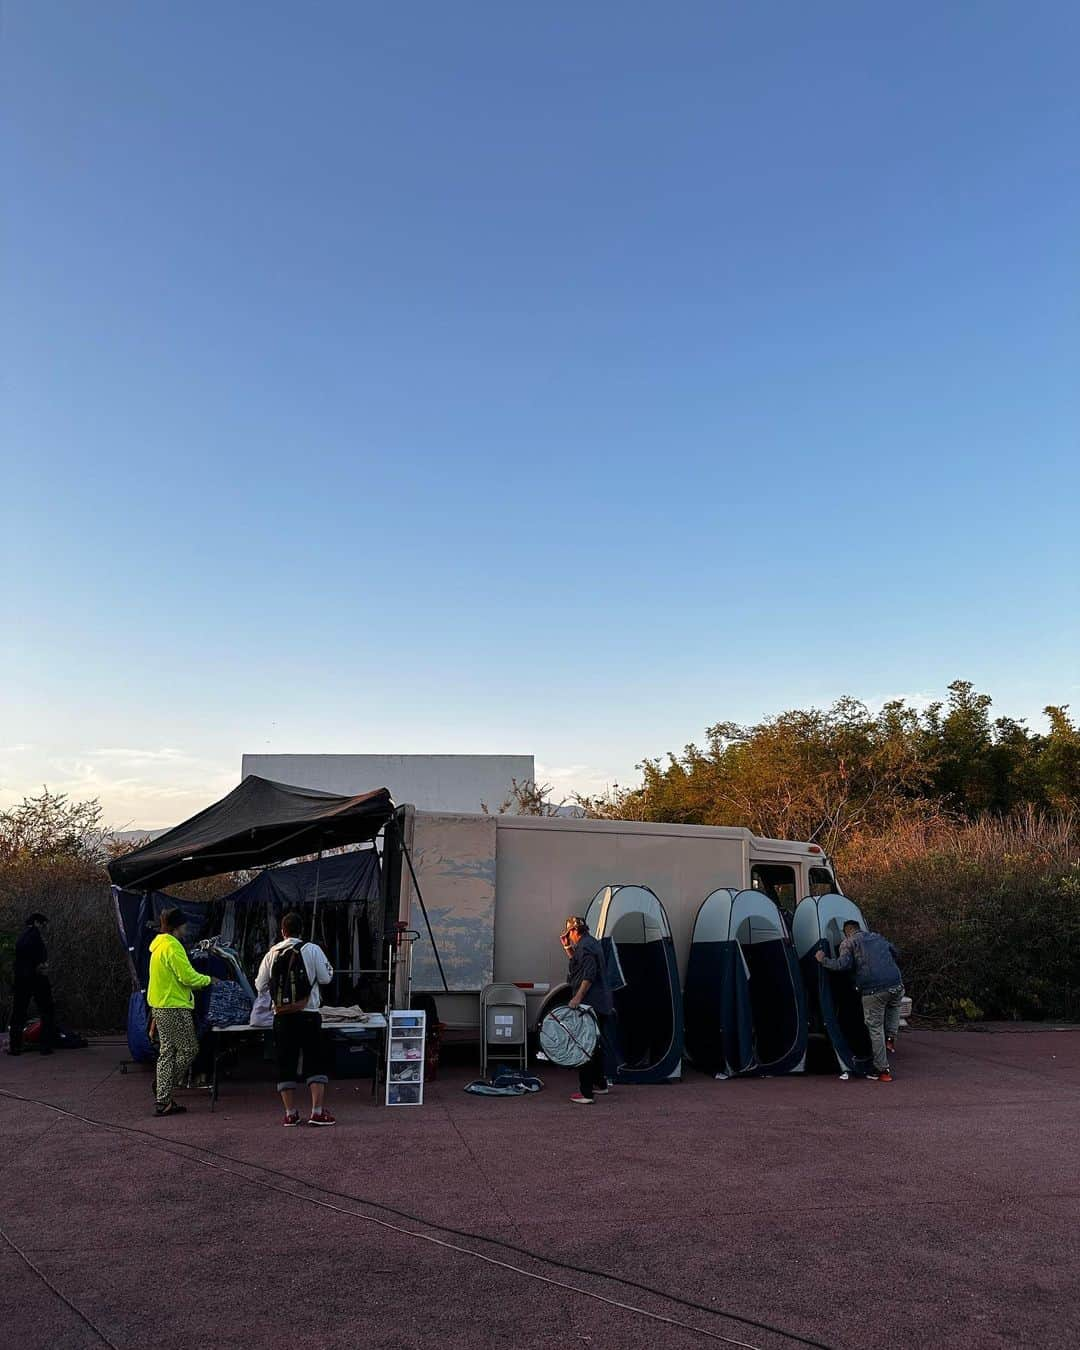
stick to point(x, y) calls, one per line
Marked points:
point(52, 826)
point(1060, 761)
point(829, 774)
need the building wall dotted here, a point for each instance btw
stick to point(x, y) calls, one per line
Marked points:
point(457, 783)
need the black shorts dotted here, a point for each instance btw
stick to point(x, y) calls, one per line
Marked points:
point(298, 1037)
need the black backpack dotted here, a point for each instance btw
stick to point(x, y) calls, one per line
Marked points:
point(289, 983)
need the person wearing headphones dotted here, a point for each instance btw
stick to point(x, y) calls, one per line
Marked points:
point(587, 977)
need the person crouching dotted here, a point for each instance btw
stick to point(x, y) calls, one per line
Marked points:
point(292, 971)
point(872, 960)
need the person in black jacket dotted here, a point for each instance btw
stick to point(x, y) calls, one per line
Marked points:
point(587, 977)
point(32, 983)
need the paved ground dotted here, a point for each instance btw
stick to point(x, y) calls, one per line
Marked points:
point(941, 1210)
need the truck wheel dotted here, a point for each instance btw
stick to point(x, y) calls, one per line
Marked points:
point(558, 998)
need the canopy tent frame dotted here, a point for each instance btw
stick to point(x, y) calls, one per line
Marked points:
point(243, 859)
point(260, 822)
point(423, 908)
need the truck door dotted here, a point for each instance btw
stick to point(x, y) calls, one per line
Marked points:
point(822, 881)
point(779, 881)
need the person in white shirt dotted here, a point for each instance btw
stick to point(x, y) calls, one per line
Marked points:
point(292, 972)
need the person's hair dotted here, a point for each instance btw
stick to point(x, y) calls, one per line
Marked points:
point(172, 919)
point(35, 918)
point(575, 922)
point(292, 925)
point(852, 923)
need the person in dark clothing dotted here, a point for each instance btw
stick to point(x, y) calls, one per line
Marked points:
point(31, 983)
point(587, 978)
point(872, 960)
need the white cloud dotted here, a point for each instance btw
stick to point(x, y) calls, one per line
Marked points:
point(137, 788)
point(567, 779)
point(168, 754)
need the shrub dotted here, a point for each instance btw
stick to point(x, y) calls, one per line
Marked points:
point(52, 858)
point(986, 913)
point(86, 959)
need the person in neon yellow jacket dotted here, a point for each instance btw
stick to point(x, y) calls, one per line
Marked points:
point(171, 996)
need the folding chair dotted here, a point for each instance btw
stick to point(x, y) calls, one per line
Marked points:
point(502, 1026)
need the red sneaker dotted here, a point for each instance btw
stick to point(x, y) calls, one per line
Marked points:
point(291, 1118)
point(579, 1100)
point(321, 1118)
point(890, 1045)
point(885, 1076)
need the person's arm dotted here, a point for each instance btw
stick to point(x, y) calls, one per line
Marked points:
point(262, 979)
point(579, 993)
point(177, 961)
point(323, 971)
point(589, 973)
point(844, 961)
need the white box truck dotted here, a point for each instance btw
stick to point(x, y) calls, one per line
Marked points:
point(498, 889)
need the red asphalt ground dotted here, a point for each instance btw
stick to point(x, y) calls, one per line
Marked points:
point(940, 1210)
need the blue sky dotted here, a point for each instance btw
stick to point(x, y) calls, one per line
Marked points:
point(557, 379)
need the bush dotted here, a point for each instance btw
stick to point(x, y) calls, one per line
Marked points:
point(86, 959)
point(986, 913)
point(52, 859)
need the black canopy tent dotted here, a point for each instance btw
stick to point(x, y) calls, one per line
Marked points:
point(258, 823)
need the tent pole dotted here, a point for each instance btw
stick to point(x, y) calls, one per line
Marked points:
point(315, 904)
point(423, 911)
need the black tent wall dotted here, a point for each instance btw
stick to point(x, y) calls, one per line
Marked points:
point(776, 999)
point(719, 1013)
point(343, 880)
point(836, 1013)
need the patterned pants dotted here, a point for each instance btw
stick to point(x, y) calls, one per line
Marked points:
point(179, 1046)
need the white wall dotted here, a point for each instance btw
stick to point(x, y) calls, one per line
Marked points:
point(429, 782)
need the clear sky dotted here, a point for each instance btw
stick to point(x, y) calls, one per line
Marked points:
point(553, 379)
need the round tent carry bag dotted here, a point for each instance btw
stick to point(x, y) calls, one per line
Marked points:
point(568, 1036)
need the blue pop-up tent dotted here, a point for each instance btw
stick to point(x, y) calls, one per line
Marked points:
point(834, 1005)
point(745, 1009)
point(648, 1008)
